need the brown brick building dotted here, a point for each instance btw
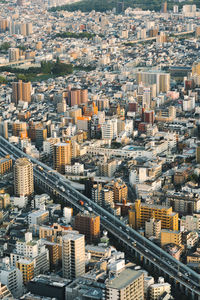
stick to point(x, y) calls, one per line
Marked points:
point(89, 225)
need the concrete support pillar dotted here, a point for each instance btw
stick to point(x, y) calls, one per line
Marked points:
point(193, 296)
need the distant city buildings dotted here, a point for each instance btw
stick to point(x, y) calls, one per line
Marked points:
point(106, 106)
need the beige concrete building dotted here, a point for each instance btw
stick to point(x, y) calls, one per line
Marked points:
point(171, 237)
point(23, 177)
point(158, 289)
point(162, 80)
point(13, 54)
point(107, 168)
point(73, 255)
point(153, 228)
point(190, 223)
point(128, 285)
point(75, 113)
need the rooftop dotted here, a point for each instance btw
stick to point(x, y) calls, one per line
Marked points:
point(124, 278)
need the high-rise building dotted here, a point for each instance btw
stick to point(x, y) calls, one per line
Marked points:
point(198, 154)
point(175, 9)
point(109, 129)
point(102, 104)
point(127, 285)
point(12, 277)
point(144, 212)
point(26, 91)
point(73, 255)
point(74, 113)
point(149, 117)
point(153, 228)
point(61, 106)
point(24, 29)
point(54, 258)
point(106, 197)
point(41, 136)
point(120, 191)
point(4, 25)
point(95, 193)
point(4, 129)
point(107, 168)
point(29, 28)
point(89, 225)
point(162, 80)
point(48, 145)
point(77, 96)
point(26, 266)
point(164, 7)
point(21, 91)
point(61, 156)
point(13, 54)
point(23, 177)
point(33, 126)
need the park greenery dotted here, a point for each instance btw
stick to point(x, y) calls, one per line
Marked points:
point(105, 5)
point(4, 47)
point(47, 70)
point(84, 68)
point(80, 35)
point(2, 80)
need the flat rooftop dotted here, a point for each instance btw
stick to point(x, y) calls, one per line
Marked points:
point(124, 278)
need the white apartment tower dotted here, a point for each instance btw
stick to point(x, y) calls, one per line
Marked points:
point(73, 255)
point(109, 129)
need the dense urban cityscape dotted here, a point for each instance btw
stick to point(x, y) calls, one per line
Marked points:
point(100, 150)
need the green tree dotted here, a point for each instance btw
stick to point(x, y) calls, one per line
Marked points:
point(80, 35)
point(4, 47)
point(3, 80)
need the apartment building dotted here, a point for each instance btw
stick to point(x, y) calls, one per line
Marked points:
point(144, 212)
point(23, 177)
point(127, 285)
point(73, 255)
